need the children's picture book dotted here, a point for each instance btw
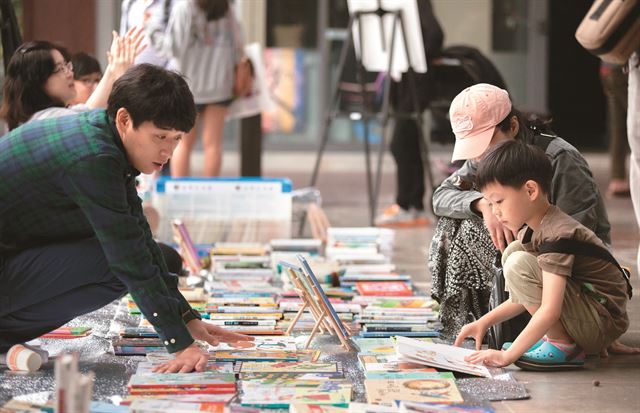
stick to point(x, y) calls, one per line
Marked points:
point(315, 408)
point(442, 356)
point(179, 380)
point(187, 398)
point(415, 407)
point(254, 355)
point(165, 406)
point(274, 377)
point(146, 367)
point(356, 407)
point(68, 332)
point(138, 332)
point(387, 391)
point(248, 386)
point(384, 288)
point(265, 343)
point(329, 392)
point(375, 345)
point(288, 367)
point(428, 373)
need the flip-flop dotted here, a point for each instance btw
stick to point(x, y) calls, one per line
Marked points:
point(507, 344)
point(549, 357)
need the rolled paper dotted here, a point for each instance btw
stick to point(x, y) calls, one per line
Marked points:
point(20, 358)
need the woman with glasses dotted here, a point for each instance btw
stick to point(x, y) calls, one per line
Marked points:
point(87, 74)
point(39, 82)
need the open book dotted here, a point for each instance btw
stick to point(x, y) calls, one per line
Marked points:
point(441, 356)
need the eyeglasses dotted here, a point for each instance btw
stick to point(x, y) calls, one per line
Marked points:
point(66, 67)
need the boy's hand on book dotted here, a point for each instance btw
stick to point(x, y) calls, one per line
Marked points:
point(492, 358)
point(187, 360)
point(214, 335)
point(475, 330)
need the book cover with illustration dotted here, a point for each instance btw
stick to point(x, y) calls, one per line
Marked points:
point(288, 367)
point(436, 390)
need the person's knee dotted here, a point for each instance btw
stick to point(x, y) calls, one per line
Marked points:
point(514, 246)
point(519, 265)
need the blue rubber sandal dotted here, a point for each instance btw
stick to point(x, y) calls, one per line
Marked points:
point(506, 345)
point(549, 357)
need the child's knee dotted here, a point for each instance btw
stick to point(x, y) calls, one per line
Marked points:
point(520, 265)
point(514, 246)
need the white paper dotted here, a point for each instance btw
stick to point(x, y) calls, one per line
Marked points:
point(375, 54)
point(259, 100)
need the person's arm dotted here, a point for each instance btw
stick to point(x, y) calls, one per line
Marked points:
point(454, 197)
point(541, 321)
point(98, 185)
point(574, 190)
point(477, 329)
point(121, 57)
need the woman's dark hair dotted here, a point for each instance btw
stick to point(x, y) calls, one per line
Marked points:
point(28, 70)
point(84, 64)
point(213, 9)
point(151, 93)
point(514, 162)
point(530, 124)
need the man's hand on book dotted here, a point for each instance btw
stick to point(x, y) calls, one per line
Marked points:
point(214, 335)
point(187, 360)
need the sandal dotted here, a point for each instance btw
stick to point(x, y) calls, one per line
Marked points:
point(507, 344)
point(549, 357)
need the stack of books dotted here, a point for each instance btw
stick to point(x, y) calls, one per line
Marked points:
point(408, 316)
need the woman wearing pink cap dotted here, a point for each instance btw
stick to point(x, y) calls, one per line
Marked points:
point(468, 238)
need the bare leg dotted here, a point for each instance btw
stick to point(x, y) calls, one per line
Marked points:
point(181, 156)
point(212, 128)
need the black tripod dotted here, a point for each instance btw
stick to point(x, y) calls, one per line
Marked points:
point(367, 111)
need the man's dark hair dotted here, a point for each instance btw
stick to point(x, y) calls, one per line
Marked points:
point(28, 71)
point(512, 163)
point(84, 64)
point(151, 93)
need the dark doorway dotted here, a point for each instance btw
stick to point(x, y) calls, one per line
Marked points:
point(576, 100)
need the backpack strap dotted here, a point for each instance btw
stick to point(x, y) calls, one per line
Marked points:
point(575, 247)
point(542, 141)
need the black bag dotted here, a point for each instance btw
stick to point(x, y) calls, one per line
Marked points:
point(509, 330)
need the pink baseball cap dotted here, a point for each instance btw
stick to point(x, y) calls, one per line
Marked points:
point(474, 114)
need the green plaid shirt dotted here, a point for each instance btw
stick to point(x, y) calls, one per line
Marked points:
point(69, 179)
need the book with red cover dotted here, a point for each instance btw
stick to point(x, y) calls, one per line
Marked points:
point(384, 288)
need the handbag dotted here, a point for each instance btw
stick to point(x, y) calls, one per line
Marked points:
point(611, 30)
point(243, 78)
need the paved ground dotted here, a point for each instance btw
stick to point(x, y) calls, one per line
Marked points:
point(343, 189)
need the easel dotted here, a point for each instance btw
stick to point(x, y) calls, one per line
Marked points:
point(319, 310)
point(373, 190)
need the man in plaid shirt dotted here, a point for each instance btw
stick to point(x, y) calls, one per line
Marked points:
point(72, 233)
